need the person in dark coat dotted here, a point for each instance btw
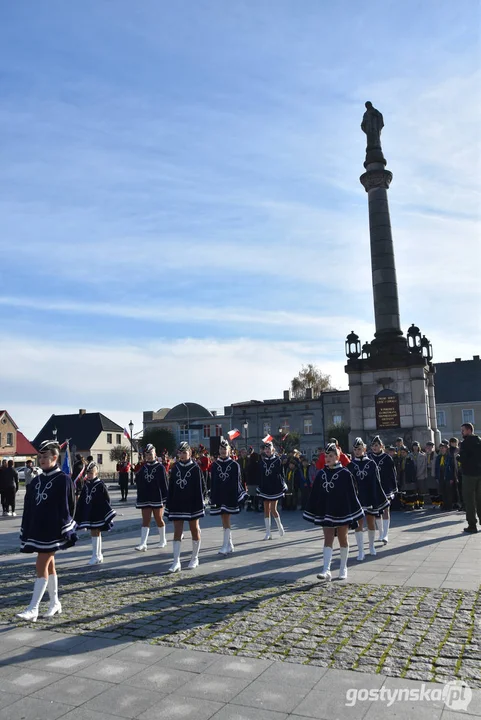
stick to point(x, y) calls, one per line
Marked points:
point(446, 476)
point(407, 480)
point(470, 459)
point(226, 493)
point(387, 472)
point(123, 469)
point(94, 511)
point(47, 526)
point(151, 480)
point(9, 480)
point(272, 487)
point(334, 505)
point(371, 495)
point(185, 501)
point(3, 467)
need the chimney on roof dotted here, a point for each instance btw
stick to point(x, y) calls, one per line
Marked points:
point(475, 357)
point(82, 411)
point(287, 395)
point(308, 393)
point(457, 359)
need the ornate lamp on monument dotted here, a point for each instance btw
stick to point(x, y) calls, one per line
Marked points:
point(353, 346)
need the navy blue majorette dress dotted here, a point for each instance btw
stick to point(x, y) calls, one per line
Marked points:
point(151, 485)
point(387, 471)
point(272, 483)
point(185, 499)
point(226, 489)
point(49, 506)
point(94, 511)
point(333, 500)
point(369, 489)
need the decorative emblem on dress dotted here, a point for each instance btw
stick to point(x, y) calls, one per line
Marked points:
point(268, 468)
point(224, 474)
point(182, 481)
point(362, 473)
point(149, 474)
point(88, 495)
point(328, 485)
point(42, 493)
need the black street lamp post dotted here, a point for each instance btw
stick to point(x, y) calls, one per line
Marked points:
point(246, 428)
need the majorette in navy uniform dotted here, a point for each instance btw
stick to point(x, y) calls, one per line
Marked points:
point(387, 472)
point(371, 495)
point(47, 526)
point(94, 511)
point(226, 492)
point(185, 501)
point(272, 486)
point(152, 485)
point(334, 504)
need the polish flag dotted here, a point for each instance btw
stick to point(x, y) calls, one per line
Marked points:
point(233, 434)
point(126, 434)
point(268, 438)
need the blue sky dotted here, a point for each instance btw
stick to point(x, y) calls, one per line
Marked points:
point(180, 208)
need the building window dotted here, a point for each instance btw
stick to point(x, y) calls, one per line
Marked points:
point(184, 433)
point(207, 431)
point(218, 430)
point(10, 439)
point(441, 418)
point(99, 459)
point(266, 428)
point(337, 419)
point(118, 439)
point(109, 438)
point(468, 417)
point(285, 427)
point(307, 426)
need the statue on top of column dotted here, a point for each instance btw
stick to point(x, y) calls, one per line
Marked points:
point(372, 124)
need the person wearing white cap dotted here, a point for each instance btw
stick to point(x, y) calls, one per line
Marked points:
point(94, 511)
point(371, 495)
point(185, 501)
point(151, 481)
point(226, 492)
point(272, 487)
point(47, 526)
point(334, 505)
point(387, 472)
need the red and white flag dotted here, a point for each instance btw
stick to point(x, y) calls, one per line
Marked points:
point(233, 434)
point(268, 438)
point(126, 434)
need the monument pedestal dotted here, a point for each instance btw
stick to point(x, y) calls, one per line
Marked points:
point(392, 403)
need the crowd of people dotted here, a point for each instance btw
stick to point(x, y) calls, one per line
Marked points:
point(339, 492)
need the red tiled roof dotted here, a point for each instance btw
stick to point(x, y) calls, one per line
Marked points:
point(24, 446)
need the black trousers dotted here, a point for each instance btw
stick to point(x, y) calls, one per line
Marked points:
point(124, 485)
point(8, 499)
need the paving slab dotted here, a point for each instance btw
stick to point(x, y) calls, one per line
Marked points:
point(28, 708)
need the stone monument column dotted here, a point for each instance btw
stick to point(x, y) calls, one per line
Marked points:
point(391, 379)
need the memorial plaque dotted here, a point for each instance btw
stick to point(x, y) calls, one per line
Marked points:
point(387, 410)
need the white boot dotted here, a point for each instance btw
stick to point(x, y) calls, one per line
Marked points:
point(162, 538)
point(95, 559)
point(360, 545)
point(282, 532)
point(372, 536)
point(267, 522)
point(230, 544)
point(326, 570)
point(31, 613)
point(55, 605)
point(379, 528)
point(101, 556)
point(344, 552)
point(194, 560)
point(176, 567)
point(224, 550)
point(385, 530)
point(143, 539)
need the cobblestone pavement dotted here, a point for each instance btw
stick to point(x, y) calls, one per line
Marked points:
point(410, 632)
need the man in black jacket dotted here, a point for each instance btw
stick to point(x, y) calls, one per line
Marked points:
point(9, 489)
point(470, 457)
